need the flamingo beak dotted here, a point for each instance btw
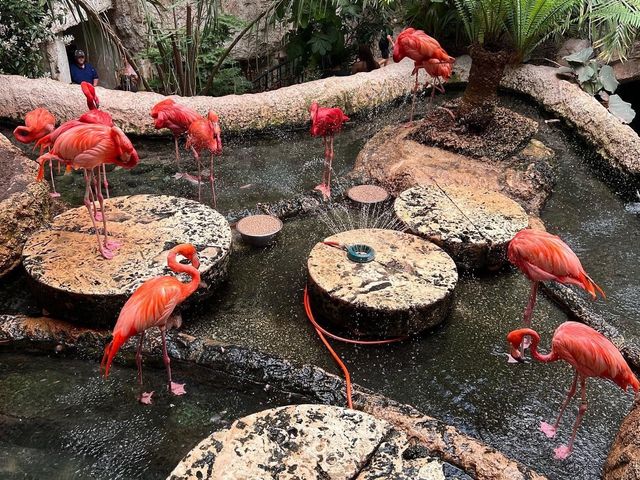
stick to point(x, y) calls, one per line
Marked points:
point(515, 353)
point(202, 284)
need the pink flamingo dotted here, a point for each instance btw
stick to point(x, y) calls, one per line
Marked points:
point(88, 146)
point(426, 53)
point(177, 118)
point(37, 124)
point(541, 256)
point(590, 354)
point(93, 104)
point(152, 305)
point(204, 133)
point(326, 122)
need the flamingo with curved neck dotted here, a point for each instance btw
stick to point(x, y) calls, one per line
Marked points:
point(153, 305)
point(590, 353)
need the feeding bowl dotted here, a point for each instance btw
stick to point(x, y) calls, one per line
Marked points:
point(259, 230)
point(367, 194)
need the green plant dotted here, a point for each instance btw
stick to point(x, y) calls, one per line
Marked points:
point(501, 32)
point(598, 80)
point(24, 28)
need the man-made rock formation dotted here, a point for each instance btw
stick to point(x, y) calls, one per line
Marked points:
point(305, 442)
point(24, 204)
point(405, 289)
point(473, 226)
point(623, 462)
point(73, 281)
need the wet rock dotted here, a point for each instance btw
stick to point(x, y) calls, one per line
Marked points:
point(407, 288)
point(72, 281)
point(473, 226)
point(25, 205)
point(306, 442)
point(432, 437)
point(398, 163)
point(623, 462)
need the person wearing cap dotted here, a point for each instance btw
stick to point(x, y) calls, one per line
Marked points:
point(81, 71)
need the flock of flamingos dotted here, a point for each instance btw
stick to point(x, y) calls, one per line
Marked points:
point(92, 140)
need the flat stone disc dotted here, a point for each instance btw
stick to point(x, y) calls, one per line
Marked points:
point(305, 442)
point(71, 280)
point(473, 225)
point(406, 289)
point(367, 194)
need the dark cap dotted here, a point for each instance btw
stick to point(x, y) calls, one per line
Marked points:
point(78, 53)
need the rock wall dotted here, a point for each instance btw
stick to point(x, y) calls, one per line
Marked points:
point(623, 462)
point(24, 205)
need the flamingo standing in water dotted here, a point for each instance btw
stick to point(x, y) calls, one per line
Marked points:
point(326, 122)
point(177, 118)
point(88, 146)
point(152, 305)
point(37, 124)
point(426, 53)
point(204, 133)
point(590, 354)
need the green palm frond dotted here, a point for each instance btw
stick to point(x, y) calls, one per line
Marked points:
point(614, 26)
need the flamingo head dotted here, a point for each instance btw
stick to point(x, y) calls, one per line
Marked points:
point(515, 339)
point(93, 103)
point(189, 252)
point(126, 155)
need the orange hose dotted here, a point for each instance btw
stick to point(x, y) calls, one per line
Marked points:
point(322, 332)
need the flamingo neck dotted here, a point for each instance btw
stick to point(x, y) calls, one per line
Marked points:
point(535, 340)
point(192, 286)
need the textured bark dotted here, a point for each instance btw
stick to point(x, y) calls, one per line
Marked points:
point(481, 95)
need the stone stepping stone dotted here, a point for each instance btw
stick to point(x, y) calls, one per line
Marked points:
point(71, 280)
point(306, 442)
point(406, 289)
point(473, 225)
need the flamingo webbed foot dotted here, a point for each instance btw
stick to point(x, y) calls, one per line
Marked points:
point(177, 388)
point(98, 216)
point(562, 452)
point(54, 194)
point(547, 429)
point(112, 245)
point(145, 398)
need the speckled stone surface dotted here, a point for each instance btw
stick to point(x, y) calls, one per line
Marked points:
point(72, 280)
point(406, 289)
point(473, 225)
point(306, 442)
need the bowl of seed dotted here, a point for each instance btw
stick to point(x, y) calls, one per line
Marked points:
point(259, 230)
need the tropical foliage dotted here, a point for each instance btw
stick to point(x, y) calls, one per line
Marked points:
point(598, 80)
point(25, 25)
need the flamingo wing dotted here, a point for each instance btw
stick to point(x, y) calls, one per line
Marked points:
point(592, 354)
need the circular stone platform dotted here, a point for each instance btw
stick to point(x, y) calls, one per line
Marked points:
point(474, 226)
point(72, 281)
point(307, 442)
point(406, 289)
point(367, 194)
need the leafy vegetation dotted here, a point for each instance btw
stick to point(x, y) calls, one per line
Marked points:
point(24, 28)
point(598, 80)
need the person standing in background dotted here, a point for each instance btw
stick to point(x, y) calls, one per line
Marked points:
point(383, 44)
point(81, 71)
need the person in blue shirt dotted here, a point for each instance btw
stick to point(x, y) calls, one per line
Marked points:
point(82, 71)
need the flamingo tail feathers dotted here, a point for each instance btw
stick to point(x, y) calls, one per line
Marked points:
point(110, 352)
point(591, 287)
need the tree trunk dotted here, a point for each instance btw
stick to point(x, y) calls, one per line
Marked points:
point(481, 95)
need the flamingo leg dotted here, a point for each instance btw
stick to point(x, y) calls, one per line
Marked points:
point(139, 358)
point(104, 179)
point(550, 430)
point(198, 166)
point(212, 181)
point(87, 202)
point(175, 139)
point(109, 245)
point(53, 183)
point(413, 99)
point(323, 187)
point(175, 388)
point(528, 313)
point(329, 167)
point(564, 451)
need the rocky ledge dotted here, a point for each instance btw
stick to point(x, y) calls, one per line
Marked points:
point(24, 204)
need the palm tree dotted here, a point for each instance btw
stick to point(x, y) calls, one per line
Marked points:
point(502, 32)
